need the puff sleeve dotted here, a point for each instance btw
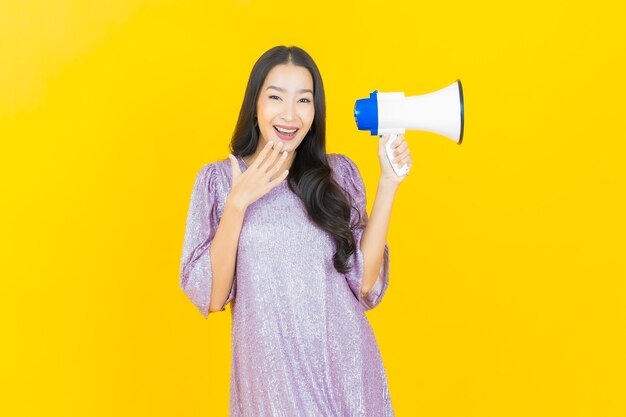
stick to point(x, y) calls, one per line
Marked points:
point(355, 189)
point(202, 221)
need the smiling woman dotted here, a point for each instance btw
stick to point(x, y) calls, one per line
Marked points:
point(278, 229)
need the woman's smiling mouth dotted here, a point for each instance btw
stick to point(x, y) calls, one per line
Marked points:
point(285, 132)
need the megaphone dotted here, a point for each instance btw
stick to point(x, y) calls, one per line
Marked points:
point(439, 112)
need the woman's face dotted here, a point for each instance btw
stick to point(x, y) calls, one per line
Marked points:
point(285, 107)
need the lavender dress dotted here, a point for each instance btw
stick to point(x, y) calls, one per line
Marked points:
point(301, 343)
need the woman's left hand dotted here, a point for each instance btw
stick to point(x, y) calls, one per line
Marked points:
point(402, 155)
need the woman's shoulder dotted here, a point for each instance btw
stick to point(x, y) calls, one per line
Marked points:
point(345, 173)
point(216, 168)
point(216, 174)
point(342, 166)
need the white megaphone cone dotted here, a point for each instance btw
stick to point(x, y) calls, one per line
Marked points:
point(439, 112)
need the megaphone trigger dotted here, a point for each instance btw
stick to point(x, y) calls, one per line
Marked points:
point(399, 170)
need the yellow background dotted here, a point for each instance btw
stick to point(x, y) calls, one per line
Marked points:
point(507, 294)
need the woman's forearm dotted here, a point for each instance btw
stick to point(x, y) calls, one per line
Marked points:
point(375, 234)
point(223, 253)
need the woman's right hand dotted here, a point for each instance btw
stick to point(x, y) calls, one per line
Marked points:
point(249, 186)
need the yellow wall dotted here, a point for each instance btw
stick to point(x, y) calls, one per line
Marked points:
point(507, 280)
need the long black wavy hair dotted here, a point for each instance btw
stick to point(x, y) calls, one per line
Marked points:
point(310, 174)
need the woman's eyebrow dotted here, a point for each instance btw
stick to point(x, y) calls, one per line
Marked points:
point(304, 90)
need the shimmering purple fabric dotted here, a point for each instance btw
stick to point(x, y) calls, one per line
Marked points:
point(302, 345)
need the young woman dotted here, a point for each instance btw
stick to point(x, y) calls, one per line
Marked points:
point(280, 228)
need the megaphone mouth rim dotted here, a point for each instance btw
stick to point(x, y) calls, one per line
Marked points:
point(462, 111)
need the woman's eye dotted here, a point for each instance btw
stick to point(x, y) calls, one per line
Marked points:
point(306, 100)
point(272, 97)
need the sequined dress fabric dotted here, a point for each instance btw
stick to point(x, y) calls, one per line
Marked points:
point(301, 342)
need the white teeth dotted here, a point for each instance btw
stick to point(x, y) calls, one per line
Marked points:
point(285, 130)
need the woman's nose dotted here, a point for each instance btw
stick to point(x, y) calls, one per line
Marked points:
point(289, 111)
